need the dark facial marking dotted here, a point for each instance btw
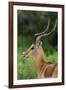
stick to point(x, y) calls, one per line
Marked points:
point(32, 48)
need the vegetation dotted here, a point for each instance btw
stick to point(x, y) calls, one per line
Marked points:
point(29, 23)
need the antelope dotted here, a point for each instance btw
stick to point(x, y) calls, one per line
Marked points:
point(43, 69)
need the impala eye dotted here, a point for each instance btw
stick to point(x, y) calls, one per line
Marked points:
point(32, 48)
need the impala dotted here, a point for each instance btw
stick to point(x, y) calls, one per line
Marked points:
point(43, 69)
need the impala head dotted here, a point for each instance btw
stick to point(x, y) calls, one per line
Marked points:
point(36, 48)
point(32, 51)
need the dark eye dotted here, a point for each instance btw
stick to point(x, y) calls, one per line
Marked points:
point(32, 48)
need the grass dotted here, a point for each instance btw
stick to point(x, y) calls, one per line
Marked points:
point(26, 68)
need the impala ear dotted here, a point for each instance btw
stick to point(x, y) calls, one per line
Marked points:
point(39, 44)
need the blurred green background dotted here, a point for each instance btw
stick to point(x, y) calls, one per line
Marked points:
point(29, 23)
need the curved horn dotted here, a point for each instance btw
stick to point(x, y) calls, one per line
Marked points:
point(43, 35)
point(45, 29)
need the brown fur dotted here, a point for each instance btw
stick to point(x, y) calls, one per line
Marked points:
point(43, 69)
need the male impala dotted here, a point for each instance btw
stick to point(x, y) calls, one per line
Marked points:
point(43, 69)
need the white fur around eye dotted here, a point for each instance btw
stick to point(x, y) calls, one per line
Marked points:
point(32, 48)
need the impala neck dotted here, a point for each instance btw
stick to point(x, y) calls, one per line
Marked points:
point(39, 59)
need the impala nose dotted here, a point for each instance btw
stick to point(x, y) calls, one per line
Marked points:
point(23, 54)
point(23, 57)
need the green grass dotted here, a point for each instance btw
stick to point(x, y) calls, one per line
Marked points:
point(26, 68)
point(53, 58)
